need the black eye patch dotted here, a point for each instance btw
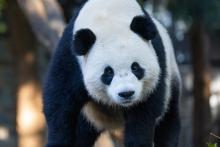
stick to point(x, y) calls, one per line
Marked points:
point(144, 26)
point(83, 41)
point(107, 76)
point(137, 70)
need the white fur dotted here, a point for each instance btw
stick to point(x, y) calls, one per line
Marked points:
point(125, 82)
point(116, 46)
point(101, 119)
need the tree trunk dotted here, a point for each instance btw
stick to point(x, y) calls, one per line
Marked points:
point(46, 20)
point(30, 120)
point(202, 114)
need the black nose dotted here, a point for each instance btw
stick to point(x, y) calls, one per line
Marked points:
point(126, 94)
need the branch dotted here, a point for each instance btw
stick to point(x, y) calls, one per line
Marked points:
point(212, 134)
point(46, 20)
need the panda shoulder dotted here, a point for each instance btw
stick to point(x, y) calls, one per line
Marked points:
point(169, 49)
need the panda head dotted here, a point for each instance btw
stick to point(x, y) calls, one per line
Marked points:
point(118, 62)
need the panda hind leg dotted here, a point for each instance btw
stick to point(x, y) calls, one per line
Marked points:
point(86, 133)
point(167, 130)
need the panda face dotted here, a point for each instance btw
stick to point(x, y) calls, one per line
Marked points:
point(120, 73)
point(118, 62)
point(124, 87)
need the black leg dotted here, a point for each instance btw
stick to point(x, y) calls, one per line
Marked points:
point(86, 134)
point(64, 94)
point(167, 131)
point(62, 125)
point(140, 120)
point(139, 127)
point(168, 128)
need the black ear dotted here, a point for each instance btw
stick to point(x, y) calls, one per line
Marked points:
point(83, 41)
point(144, 26)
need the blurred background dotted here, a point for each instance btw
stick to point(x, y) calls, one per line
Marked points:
point(30, 30)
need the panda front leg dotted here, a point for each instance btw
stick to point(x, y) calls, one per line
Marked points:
point(64, 94)
point(61, 126)
point(62, 107)
point(168, 128)
point(86, 133)
point(139, 127)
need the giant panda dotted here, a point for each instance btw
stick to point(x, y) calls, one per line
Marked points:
point(114, 67)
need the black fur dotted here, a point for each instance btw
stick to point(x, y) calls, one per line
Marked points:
point(164, 135)
point(144, 26)
point(65, 95)
point(108, 75)
point(137, 70)
point(83, 41)
point(86, 134)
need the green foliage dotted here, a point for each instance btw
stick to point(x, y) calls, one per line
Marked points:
point(2, 4)
point(3, 27)
point(204, 11)
point(212, 145)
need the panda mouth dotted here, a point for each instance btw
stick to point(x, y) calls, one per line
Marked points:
point(126, 102)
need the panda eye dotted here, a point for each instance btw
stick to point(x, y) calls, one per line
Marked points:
point(137, 70)
point(135, 66)
point(109, 71)
point(107, 76)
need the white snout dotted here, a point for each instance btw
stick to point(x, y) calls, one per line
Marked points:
point(125, 91)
